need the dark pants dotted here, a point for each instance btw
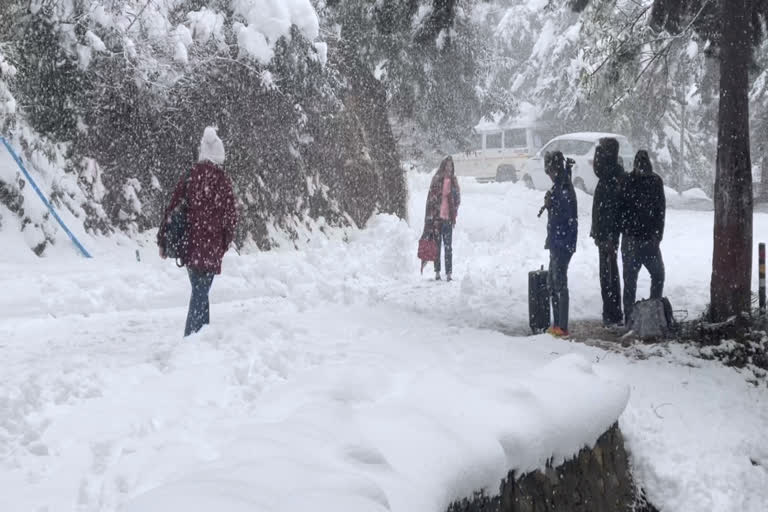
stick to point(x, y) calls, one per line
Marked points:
point(445, 237)
point(559, 259)
point(637, 253)
point(199, 307)
point(610, 282)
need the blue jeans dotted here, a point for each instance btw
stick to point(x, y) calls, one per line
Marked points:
point(445, 237)
point(199, 307)
point(559, 259)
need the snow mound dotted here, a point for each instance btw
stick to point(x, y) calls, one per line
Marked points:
point(696, 193)
point(673, 198)
point(364, 434)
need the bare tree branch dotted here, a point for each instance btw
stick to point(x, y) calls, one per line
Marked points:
point(138, 15)
point(613, 54)
point(663, 53)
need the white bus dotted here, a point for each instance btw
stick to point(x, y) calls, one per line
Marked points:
point(498, 152)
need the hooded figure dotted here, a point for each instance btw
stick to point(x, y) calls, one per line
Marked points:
point(606, 225)
point(643, 208)
point(211, 218)
point(562, 219)
point(643, 204)
point(442, 209)
point(605, 208)
point(562, 233)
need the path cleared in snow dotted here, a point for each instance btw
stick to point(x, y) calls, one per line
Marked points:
point(337, 377)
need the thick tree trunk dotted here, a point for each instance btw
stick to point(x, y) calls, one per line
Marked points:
point(367, 100)
point(732, 257)
point(764, 180)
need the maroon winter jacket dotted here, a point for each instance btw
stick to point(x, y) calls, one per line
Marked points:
point(211, 216)
point(435, 199)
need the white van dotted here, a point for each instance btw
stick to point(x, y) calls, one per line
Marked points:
point(581, 148)
point(498, 152)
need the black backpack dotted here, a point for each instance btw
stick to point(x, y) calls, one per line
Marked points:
point(174, 242)
point(653, 319)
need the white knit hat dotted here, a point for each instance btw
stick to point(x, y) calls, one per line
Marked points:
point(211, 147)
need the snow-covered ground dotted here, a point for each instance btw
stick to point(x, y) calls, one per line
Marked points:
point(338, 378)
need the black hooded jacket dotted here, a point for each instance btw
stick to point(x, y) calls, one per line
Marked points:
point(643, 202)
point(606, 221)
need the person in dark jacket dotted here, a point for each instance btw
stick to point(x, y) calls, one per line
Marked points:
point(210, 225)
point(442, 209)
point(562, 232)
point(643, 206)
point(606, 227)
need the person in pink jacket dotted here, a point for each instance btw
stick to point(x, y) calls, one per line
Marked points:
point(443, 202)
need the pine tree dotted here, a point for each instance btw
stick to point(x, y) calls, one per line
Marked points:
point(738, 30)
point(732, 258)
point(427, 56)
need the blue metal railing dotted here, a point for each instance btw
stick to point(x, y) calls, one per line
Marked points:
point(44, 199)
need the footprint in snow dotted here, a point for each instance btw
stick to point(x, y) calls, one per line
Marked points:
point(367, 456)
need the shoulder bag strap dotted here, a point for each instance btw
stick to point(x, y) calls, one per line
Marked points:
point(187, 178)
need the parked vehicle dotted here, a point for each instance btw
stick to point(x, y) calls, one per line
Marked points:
point(581, 148)
point(499, 151)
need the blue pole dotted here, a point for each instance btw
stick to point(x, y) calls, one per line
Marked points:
point(43, 198)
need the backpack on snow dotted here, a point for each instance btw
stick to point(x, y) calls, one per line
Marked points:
point(652, 318)
point(175, 240)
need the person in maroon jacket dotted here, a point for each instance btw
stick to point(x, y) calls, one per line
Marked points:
point(210, 226)
point(443, 202)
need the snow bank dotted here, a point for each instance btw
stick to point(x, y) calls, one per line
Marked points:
point(398, 435)
point(311, 388)
point(696, 193)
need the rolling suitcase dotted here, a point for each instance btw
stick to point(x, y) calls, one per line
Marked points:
point(538, 301)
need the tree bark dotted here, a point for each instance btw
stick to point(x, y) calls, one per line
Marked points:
point(764, 180)
point(732, 257)
point(367, 100)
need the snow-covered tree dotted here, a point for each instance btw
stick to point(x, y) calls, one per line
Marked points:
point(580, 71)
point(428, 56)
point(128, 86)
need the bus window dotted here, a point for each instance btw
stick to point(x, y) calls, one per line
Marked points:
point(515, 139)
point(493, 140)
point(476, 142)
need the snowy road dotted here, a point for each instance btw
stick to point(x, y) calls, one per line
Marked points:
point(336, 377)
